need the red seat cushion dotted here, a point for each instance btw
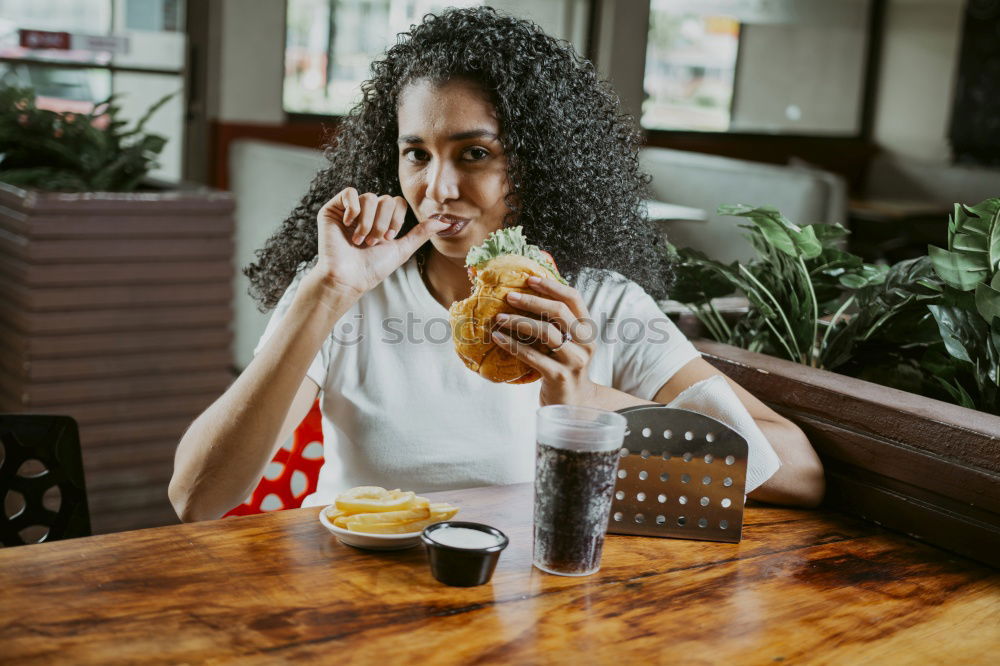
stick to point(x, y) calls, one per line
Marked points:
point(309, 431)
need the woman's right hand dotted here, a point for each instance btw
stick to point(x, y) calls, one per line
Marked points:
point(357, 239)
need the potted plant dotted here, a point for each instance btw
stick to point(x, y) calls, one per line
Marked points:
point(929, 327)
point(115, 293)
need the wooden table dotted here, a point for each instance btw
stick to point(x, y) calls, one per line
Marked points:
point(802, 587)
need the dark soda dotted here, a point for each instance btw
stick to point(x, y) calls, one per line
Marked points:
point(573, 493)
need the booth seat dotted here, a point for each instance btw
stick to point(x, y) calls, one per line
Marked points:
point(267, 180)
point(897, 178)
point(802, 193)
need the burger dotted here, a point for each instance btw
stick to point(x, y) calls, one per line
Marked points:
point(502, 264)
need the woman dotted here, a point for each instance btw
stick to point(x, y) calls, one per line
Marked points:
point(474, 121)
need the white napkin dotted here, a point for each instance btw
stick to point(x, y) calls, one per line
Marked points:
point(714, 397)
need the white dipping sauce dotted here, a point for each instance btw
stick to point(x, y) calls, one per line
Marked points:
point(463, 537)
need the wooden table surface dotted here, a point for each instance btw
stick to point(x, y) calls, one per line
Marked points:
point(802, 587)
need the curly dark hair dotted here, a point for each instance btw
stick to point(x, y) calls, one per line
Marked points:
point(576, 186)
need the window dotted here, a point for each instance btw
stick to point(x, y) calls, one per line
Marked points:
point(330, 45)
point(690, 66)
point(59, 88)
point(132, 48)
point(780, 67)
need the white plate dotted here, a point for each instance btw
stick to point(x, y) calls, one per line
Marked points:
point(368, 541)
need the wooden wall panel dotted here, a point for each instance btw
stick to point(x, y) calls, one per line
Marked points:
point(116, 311)
point(117, 456)
point(118, 320)
point(120, 520)
point(76, 298)
point(115, 341)
point(957, 532)
point(906, 464)
point(127, 364)
point(57, 395)
point(939, 428)
point(121, 272)
point(128, 249)
point(135, 431)
point(111, 479)
point(130, 507)
point(924, 467)
point(112, 226)
point(137, 408)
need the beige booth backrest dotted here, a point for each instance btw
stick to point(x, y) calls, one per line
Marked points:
point(803, 194)
point(894, 177)
point(268, 180)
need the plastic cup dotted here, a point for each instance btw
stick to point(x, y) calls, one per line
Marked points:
point(575, 464)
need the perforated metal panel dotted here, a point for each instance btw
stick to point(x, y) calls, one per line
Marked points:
point(682, 475)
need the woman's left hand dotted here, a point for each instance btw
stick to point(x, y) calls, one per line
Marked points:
point(558, 344)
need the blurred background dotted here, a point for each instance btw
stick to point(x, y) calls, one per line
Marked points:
point(876, 114)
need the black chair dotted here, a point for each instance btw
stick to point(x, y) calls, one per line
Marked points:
point(41, 480)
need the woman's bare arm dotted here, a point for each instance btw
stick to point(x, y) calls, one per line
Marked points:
point(223, 454)
point(799, 481)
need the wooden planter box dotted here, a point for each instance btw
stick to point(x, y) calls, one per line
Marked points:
point(115, 309)
point(920, 466)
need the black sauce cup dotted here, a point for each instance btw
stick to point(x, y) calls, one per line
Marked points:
point(463, 567)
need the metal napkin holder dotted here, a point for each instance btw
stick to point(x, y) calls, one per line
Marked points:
point(681, 474)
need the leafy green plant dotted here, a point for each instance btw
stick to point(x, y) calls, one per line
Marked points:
point(72, 152)
point(890, 336)
point(929, 325)
point(796, 287)
point(968, 314)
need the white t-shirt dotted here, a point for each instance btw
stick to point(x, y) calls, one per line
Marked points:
point(401, 410)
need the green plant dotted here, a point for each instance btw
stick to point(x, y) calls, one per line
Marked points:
point(890, 336)
point(968, 314)
point(72, 152)
point(799, 288)
point(929, 325)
